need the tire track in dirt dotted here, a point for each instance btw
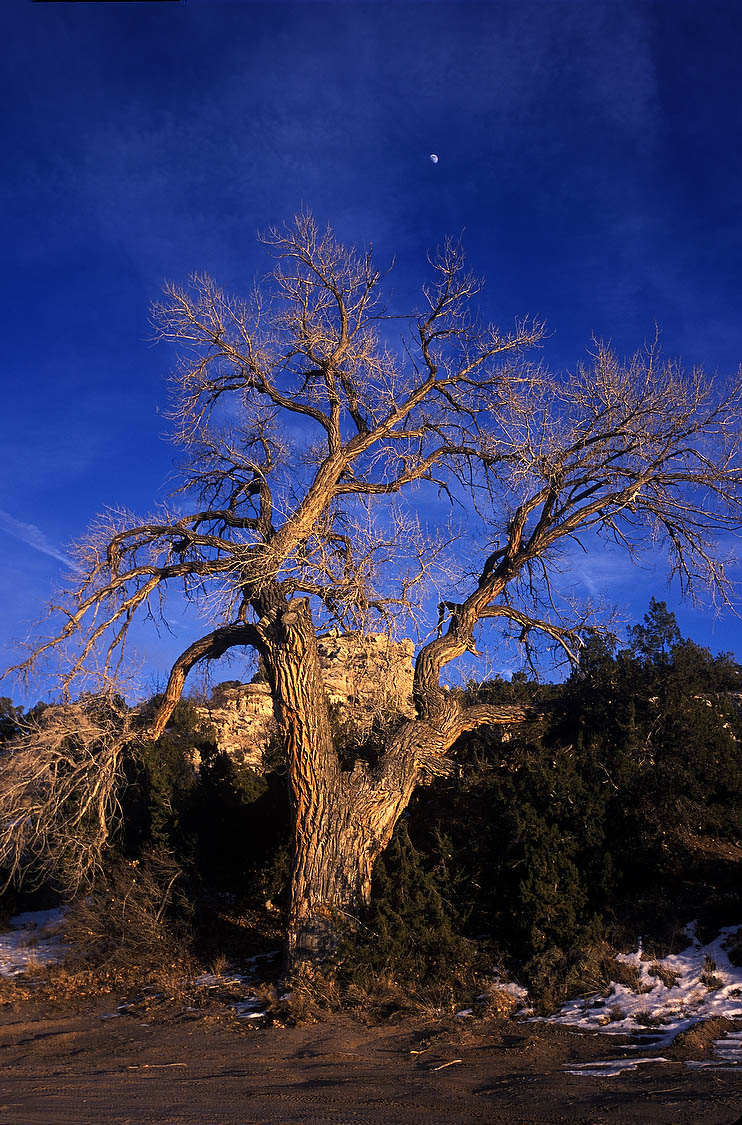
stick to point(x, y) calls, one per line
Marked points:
point(78, 1069)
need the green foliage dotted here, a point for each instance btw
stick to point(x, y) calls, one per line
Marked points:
point(666, 730)
point(10, 719)
point(241, 820)
point(523, 836)
point(653, 642)
point(226, 825)
point(161, 781)
point(412, 932)
point(611, 819)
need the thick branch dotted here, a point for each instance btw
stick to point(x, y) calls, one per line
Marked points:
point(210, 647)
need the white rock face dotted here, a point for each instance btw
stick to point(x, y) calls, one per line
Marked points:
point(243, 721)
point(366, 675)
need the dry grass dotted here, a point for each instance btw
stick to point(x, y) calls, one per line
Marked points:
point(495, 1001)
point(708, 976)
point(696, 1042)
point(314, 992)
point(668, 977)
point(80, 979)
point(131, 920)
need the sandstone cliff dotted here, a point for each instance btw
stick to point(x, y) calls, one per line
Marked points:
point(366, 675)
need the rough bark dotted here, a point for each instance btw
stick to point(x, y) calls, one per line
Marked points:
point(343, 819)
point(320, 876)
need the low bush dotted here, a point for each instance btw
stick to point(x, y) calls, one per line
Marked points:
point(138, 920)
point(411, 934)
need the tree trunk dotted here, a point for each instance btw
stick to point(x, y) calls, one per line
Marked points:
point(331, 879)
point(326, 878)
point(343, 819)
point(338, 839)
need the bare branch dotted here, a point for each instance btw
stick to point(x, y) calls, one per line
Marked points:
point(304, 425)
point(210, 647)
point(59, 785)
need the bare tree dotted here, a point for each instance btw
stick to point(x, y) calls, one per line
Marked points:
point(309, 434)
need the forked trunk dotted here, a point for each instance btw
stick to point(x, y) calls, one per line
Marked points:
point(339, 837)
point(338, 841)
point(342, 819)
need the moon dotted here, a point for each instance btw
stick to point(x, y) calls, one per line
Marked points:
point(434, 157)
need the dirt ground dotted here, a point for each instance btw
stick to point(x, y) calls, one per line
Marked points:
point(189, 1067)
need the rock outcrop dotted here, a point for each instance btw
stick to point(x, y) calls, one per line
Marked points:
point(366, 676)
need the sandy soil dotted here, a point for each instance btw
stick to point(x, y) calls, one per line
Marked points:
point(189, 1068)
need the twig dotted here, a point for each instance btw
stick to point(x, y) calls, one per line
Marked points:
point(444, 1065)
point(153, 1066)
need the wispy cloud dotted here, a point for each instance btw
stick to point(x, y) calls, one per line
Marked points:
point(34, 537)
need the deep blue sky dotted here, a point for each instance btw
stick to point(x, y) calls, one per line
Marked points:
point(589, 150)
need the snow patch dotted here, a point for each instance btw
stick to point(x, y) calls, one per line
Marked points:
point(35, 938)
point(515, 990)
point(674, 994)
point(727, 1053)
point(610, 1068)
point(251, 1008)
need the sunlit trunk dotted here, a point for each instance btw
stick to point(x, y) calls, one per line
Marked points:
point(326, 878)
point(343, 819)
